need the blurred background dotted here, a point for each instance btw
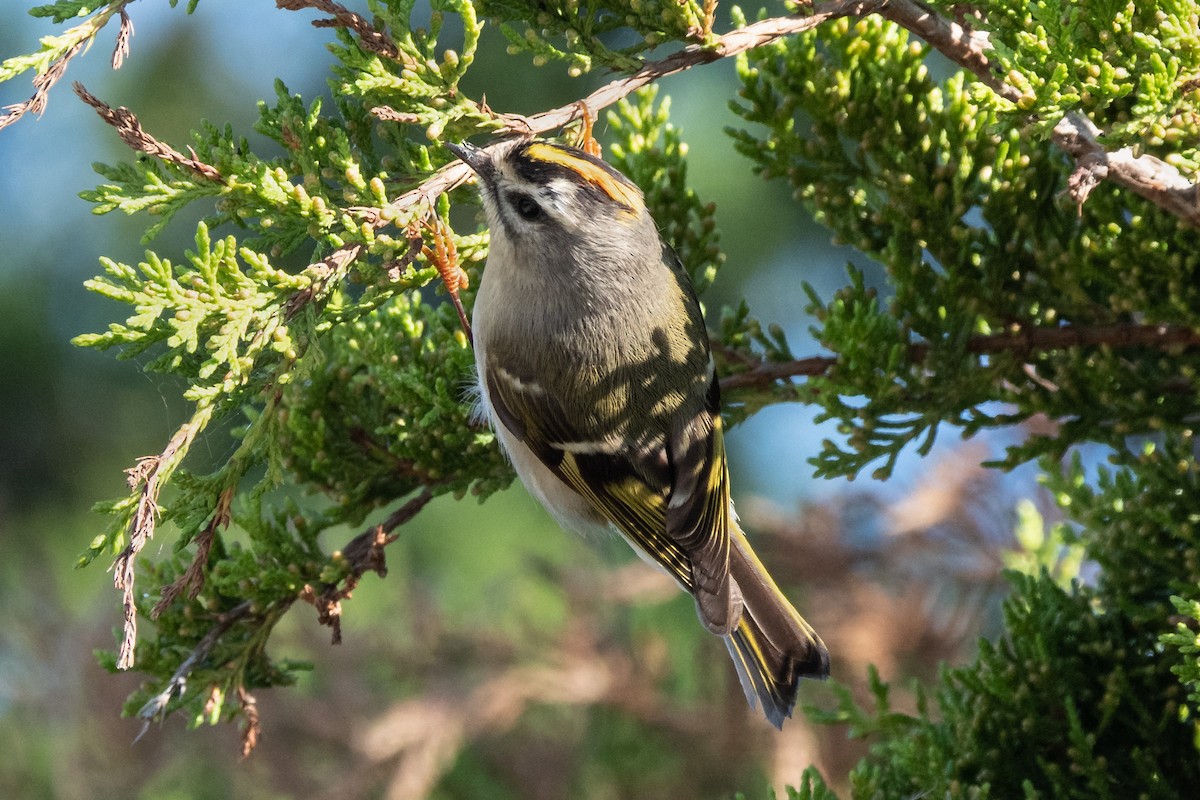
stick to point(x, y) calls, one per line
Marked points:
point(500, 657)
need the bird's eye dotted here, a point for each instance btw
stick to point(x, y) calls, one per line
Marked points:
point(526, 206)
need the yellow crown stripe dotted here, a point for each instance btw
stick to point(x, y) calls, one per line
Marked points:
point(620, 191)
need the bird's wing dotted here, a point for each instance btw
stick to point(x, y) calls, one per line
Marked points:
point(669, 495)
point(699, 508)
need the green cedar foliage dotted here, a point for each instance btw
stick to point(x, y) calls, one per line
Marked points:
point(961, 197)
point(346, 381)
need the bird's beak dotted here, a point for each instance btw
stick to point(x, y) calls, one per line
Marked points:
point(474, 157)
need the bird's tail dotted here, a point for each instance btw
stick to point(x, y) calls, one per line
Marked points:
point(772, 646)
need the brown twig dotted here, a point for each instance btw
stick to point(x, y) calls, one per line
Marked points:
point(253, 728)
point(372, 39)
point(192, 580)
point(124, 35)
point(964, 47)
point(1147, 176)
point(768, 372)
point(329, 269)
point(1029, 340)
point(363, 554)
point(41, 89)
point(148, 474)
point(131, 132)
point(155, 706)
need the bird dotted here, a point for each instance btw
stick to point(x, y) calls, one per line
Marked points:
point(595, 372)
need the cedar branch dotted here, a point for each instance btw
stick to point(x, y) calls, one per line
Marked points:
point(156, 706)
point(124, 35)
point(363, 554)
point(1149, 177)
point(737, 41)
point(131, 132)
point(41, 89)
point(1029, 340)
point(192, 580)
point(147, 477)
point(371, 39)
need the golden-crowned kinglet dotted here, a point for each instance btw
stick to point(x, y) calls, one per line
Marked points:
point(594, 370)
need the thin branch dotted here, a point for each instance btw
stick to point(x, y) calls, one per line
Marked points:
point(124, 35)
point(964, 47)
point(332, 268)
point(372, 40)
point(131, 132)
point(730, 44)
point(149, 474)
point(192, 580)
point(737, 41)
point(1032, 339)
point(1147, 176)
point(157, 705)
point(768, 372)
point(41, 88)
point(363, 554)
point(253, 728)
point(74, 41)
point(1150, 177)
point(1022, 342)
